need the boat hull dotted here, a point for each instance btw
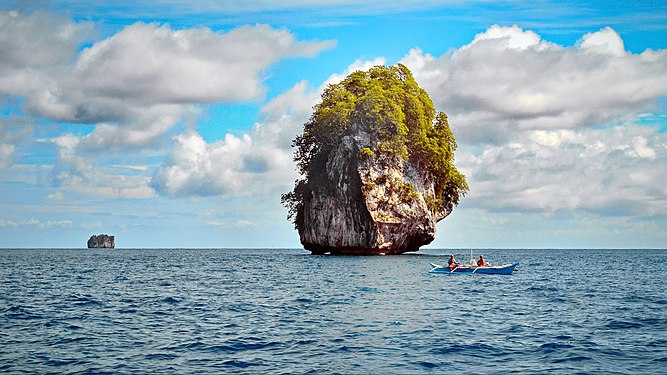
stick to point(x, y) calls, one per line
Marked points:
point(505, 269)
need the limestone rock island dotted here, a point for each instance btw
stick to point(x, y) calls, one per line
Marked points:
point(101, 241)
point(377, 162)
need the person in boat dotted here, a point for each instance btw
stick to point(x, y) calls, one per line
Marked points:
point(452, 262)
point(481, 262)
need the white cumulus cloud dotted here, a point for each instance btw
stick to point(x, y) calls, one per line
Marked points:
point(617, 171)
point(76, 173)
point(508, 80)
point(235, 165)
point(157, 64)
point(140, 82)
point(606, 41)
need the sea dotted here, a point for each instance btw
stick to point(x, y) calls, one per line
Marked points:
point(284, 311)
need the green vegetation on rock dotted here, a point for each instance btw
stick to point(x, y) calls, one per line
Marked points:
point(387, 103)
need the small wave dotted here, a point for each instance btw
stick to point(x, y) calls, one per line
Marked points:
point(241, 346)
point(656, 323)
point(79, 301)
point(70, 340)
point(160, 356)
point(578, 358)
point(191, 345)
point(474, 350)
point(62, 362)
point(553, 346)
point(617, 324)
point(436, 308)
point(238, 307)
point(239, 364)
point(21, 313)
point(350, 349)
point(306, 342)
point(543, 288)
point(299, 345)
point(426, 365)
point(657, 343)
point(171, 300)
point(13, 309)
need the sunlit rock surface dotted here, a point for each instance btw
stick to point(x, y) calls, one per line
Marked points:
point(369, 205)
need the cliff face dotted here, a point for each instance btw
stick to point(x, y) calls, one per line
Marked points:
point(101, 241)
point(369, 204)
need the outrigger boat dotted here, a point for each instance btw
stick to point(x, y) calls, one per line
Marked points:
point(473, 268)
point(505, 269)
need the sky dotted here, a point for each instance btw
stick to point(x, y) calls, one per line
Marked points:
point(169, 123)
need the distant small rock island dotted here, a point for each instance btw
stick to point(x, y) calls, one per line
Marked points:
point(102, 241)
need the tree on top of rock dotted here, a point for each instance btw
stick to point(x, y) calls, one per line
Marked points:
point(387, 103)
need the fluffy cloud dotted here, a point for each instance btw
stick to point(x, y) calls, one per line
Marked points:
point(38, 51)
point(139, 82)
point(508, 80)
point(36, 41)
point(232, 166)
point(76, 173)
point(258, 162)
point(13, 131)
point(155, 64)
point(617, 171)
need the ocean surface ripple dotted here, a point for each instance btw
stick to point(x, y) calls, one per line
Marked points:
point(284, 311)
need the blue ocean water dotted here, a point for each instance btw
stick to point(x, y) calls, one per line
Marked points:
point(285, 311)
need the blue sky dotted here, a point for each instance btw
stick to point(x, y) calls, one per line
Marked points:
point(168, 123)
